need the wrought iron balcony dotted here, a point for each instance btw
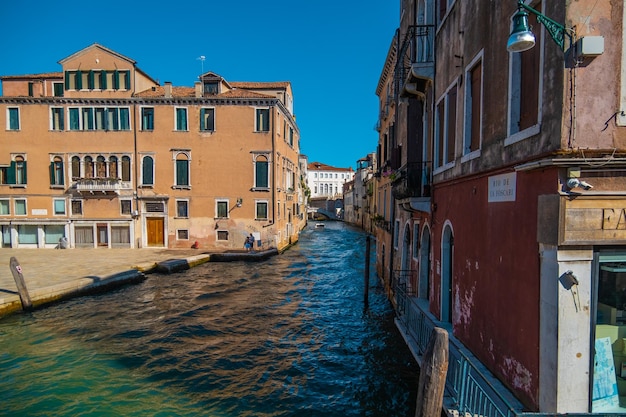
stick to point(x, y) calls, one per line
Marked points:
point(101, 185)
point(415, 67)
point(412, 183)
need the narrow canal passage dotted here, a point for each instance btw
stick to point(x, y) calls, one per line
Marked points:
point(285, 337)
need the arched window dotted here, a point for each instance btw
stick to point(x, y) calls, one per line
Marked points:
point(56, 171)
point(101, 167)
point(113, 167)
point(261, 172)
point(20, 170)
point(147, 174)
point(182, 170)
point(75, 167)
point(125, 168)
point(88, 167)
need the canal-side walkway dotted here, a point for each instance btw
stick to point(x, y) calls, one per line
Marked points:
point(52, 275)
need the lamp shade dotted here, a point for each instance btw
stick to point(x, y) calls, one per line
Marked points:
point(521, 39)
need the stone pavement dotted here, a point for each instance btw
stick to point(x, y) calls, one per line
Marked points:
point(52, 274)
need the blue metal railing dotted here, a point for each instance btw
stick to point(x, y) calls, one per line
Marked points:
point(468, 387)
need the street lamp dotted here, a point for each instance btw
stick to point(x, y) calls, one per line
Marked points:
point(522, 39)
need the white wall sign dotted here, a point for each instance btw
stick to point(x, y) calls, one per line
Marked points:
point(502, 187)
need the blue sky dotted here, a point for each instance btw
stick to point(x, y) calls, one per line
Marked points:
point(332, 51)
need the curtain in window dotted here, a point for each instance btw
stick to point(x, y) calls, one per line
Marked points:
point(261, 210)
point(59, 207)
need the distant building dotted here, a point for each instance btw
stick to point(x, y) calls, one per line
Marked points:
point(358, 194)
point(327, 181)
point(101, 155)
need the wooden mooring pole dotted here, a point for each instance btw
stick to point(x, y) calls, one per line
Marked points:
point(366, 292)
point(16, 270)
point(433, 372)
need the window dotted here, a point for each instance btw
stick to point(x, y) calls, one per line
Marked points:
point(416, 233)
point(126, 206)
point(261, 210)
point(101, 167)
point(77, 207)
point(58, 89)
point(74, 118)
point(262, 120)
point(182, 170)
point(89, 167)
point(182, 208)
point(445, 128)
point(211, 87)
point(20, 170)
point(88, 118)
point(261, 172)
point(147, 171)
point(473, 108)
point(97, 80)
point(56, 171)
point(113, 167)
point(59, 207)
point(525, 84)
point(222, 235)
point(125, 168)
point(20, 207)
point(75, 168)
point(396, 230)
point(5, 208)
point(221, 209)
point(181, 118)
point(147, 118)
point(13, 118)
point(182, 234)
point(207, 119)
point(291, 135)
point(57, 121)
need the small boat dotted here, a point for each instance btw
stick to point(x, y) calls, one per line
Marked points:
point(319, 225)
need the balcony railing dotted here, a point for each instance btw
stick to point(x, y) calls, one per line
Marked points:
point(416, 59)
point(101, 185)
point(412, 181)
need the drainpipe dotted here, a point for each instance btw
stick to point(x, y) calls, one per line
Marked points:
point(273, 173)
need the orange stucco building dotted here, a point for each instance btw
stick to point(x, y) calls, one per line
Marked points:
point(102, 155)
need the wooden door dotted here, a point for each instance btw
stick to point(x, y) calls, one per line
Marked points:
point(154, 226)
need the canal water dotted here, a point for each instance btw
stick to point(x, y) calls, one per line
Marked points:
point(284, 337)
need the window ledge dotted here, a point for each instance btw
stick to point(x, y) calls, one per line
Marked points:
point(17, 185)
point(181, 187)
point(260, 189)
point(57, 187)
point(221, 218)
point(524, 134)
point(469, 156)
point(177, 217)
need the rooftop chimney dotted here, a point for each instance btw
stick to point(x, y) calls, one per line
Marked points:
point(168, 89)
point(198, 86)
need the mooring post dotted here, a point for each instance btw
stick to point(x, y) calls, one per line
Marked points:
point(433, 372)
point(366, 294)
point(16, 270)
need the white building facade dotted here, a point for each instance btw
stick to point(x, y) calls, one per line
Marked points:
point(327, 181)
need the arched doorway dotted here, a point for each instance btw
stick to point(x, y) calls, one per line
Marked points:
point(447, 252)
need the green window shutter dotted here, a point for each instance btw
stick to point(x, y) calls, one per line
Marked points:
point(91, 80)
point(148, 165)
point(103, 80)
point(25, 170)
point(128, 80)
point(74, 119)
point(124, 119)
point(30, 89)
point(67, 79)
point(116, 80)
point(14, 119)
point(52, 180)
point(202, 121)
point(261, 174)
point(182, 172)
point(79, 80)
point(11, 173)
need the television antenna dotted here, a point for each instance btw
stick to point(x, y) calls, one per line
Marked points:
point(201, 58)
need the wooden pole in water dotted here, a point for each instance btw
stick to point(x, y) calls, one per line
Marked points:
point(16, 270)
point(433, 372)
point(366, 294)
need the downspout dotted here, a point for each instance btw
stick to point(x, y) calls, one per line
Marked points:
point(136, 181)
point(272, 127)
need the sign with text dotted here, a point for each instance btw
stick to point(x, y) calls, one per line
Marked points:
point(593, 221)
point(502, 188)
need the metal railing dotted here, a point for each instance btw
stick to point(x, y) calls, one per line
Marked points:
point(101, 185)
point(417, 47)
point(470, 389)
point(412, 180)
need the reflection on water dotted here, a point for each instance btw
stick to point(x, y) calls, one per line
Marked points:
point(285, 337)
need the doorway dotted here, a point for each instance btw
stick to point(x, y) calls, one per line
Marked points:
point(447, 248)
point(154, 230)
